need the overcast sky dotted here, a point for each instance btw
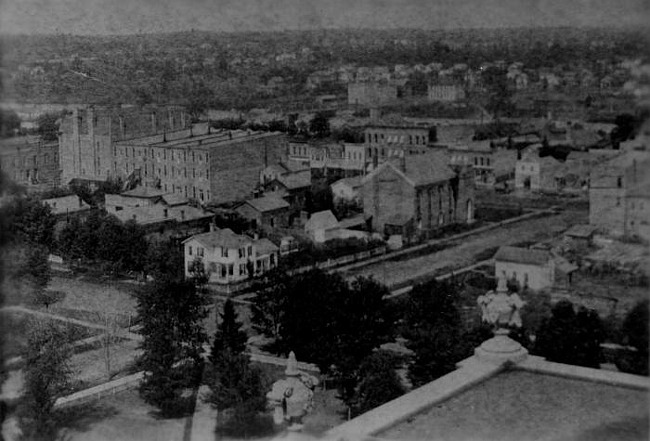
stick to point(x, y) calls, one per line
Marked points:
point(132, 16)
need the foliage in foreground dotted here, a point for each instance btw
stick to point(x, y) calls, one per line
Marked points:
point(171, 314)
point(238, 389)
point(47, 376)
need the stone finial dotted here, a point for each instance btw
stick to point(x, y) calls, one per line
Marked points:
point(292, 366)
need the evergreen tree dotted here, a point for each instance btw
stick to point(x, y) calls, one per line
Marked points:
point(239, 392)
point(379, 382)
point(635, 333)
point(269, 304)
point(570, 338)
point(433, 329)
point(171, 314)
point(229, 336)
point(47, 376)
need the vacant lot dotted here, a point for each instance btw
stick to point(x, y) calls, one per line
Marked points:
point(466, 250)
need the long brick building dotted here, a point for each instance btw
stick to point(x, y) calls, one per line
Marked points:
point(207, 165)
point(88, 135)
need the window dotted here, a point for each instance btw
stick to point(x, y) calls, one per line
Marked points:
point(242, 269)
point(224, 252)
point(231, 269)
point(250, 250)
point(189, 250)
point(242, 253)
point(619, 182)
point(199, 251)
point(272, 260)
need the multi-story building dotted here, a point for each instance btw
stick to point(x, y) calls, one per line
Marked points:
point(200, 163)
point(382, 142)
point(30, 161)
point(228, 257)
point(446, 92)
point(88, 136)
point(478, 154)
point(416, 194)
point(619, 195)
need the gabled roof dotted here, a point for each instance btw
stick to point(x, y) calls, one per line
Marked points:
point(172, 199)
point(267, 203)
point(264, 246)
point(321, 220)
point(225, 238)
point(66, 204)
point(419, 170)
point(522, 255)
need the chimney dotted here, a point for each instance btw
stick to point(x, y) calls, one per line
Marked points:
point(402, 162)
point(153, 122)
point(213, 227)
point(375, 114)
point(182, 215)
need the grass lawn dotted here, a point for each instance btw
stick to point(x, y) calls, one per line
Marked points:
point(15, 326)
point(89, 296)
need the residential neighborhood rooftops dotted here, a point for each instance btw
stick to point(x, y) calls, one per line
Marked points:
point(522, 255)
point(267, 203)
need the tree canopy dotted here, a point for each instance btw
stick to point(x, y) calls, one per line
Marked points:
point(433, 328)
point(323, 319)
point(171, 314)
point(570, 337)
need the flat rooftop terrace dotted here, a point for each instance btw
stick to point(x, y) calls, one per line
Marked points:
point(517, 405)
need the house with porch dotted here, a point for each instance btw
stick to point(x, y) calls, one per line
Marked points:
point(229, 257)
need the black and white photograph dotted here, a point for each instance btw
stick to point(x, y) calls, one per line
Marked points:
point(324, 220)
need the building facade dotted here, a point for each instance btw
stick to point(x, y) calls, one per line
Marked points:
point(88, 136)
point(418, 194)
point(534, 269)
point(31, 162)
point(618, 195)
point(199, 163)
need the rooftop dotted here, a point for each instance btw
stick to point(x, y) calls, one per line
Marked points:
point(422, 169)
point(221, 238)
point(522, 255)
point(321, 220)
point(520, 405)
point(296, 180)
point(144, 192)
point(267, 203)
